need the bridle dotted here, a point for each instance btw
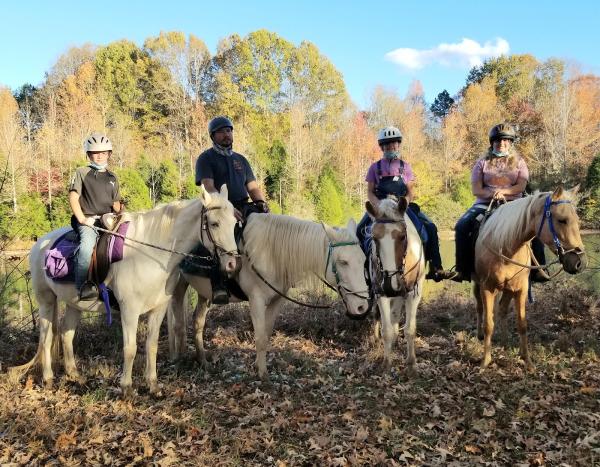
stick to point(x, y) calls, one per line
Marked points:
point(383, 283)
point(547, 217)
point(339, 286)
point(217, 250)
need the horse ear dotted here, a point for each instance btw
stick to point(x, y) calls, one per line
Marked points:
point(224, 192)
point(351, 226)
point(205, 196)
point(402, 205)
point(329, 231)
point(557, 193)
point(372, 210)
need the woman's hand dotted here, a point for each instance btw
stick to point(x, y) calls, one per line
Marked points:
point(499, 196)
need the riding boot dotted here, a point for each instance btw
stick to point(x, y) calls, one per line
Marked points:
point(220, 294)
point(538, 275)
point(438, 274)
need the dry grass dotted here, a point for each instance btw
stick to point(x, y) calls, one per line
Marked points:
point(329, 402)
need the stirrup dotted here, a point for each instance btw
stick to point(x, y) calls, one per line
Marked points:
point(88, 291)
point(220, 297)
point(540, 276)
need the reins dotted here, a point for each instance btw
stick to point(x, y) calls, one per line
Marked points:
point(340, 286)
point(171, 250)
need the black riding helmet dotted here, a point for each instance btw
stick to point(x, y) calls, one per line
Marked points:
point(503, 131)
point(217, 123)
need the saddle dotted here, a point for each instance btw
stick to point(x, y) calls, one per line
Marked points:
point(60, 257)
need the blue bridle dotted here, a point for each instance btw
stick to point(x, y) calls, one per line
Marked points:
point(548, 215)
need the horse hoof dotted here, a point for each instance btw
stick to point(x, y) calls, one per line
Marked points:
point(127, 393)
point(49, 384)
point(411, 371)
point(77, 378)
point(155, 389)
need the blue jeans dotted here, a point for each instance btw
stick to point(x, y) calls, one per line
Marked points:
point(87, 242)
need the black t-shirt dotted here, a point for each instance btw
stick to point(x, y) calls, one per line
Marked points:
point(97, 190)
point(233, 171)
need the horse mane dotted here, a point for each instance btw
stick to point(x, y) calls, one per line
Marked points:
point(287, 248)
point(158, 224)
point(510, 220)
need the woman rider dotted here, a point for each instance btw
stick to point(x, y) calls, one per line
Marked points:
point(393, 176)
point(501, 175)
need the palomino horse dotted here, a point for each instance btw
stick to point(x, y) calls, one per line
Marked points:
point(397, 266)
point(503, 255)
point(284, 251)
point(143, 281)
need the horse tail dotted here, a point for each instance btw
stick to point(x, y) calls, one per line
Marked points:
point(16, 373)
point(55, 349)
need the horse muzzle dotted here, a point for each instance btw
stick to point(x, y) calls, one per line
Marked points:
point(574, 261)
point(361, 311)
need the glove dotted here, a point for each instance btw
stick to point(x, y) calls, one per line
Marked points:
point(260, 204)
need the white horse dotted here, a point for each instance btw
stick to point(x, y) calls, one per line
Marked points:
point(284, 251)
point(143, 281)
point(397, 265)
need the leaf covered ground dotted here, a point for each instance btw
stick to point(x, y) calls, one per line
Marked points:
point(329, 401)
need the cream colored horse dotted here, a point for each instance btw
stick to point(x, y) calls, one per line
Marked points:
point(397, 265)
point(285, 251)
point(502, 256)
point(142, 282)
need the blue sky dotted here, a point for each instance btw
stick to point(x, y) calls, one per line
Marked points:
point(357, 36)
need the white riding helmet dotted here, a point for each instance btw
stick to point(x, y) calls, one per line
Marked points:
point(389, 134)
point(97, 142)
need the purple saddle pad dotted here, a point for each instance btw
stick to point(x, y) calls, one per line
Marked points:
point(60, 258)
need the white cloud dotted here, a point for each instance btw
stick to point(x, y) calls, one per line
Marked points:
point(466, 54)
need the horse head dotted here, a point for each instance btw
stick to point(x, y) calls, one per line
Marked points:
point(390, 237)
point(559, 229)
point(347, 262)
point(217, 231)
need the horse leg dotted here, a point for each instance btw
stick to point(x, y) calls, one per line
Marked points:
point(479, 310)
point(48, 315)
point(155, 319)
point(503, 309)
point(69, 325)
point(388, 330)
point(176, 321)
point(488, 298)
point(129, 322)
point(199, 323)
point(410, 330)
point(259, 322)
point(520, 299)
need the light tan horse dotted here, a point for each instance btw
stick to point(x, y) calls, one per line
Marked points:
point(143, 281)
point(397, 265)
point(285, 251)
point(502, 256)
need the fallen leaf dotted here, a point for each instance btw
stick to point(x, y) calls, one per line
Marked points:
point(472, 449)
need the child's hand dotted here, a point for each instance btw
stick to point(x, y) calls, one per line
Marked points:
point(89, 221)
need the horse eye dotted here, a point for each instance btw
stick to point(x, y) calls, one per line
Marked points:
point(563, 221)
point(214, 224)
point(342, 262)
